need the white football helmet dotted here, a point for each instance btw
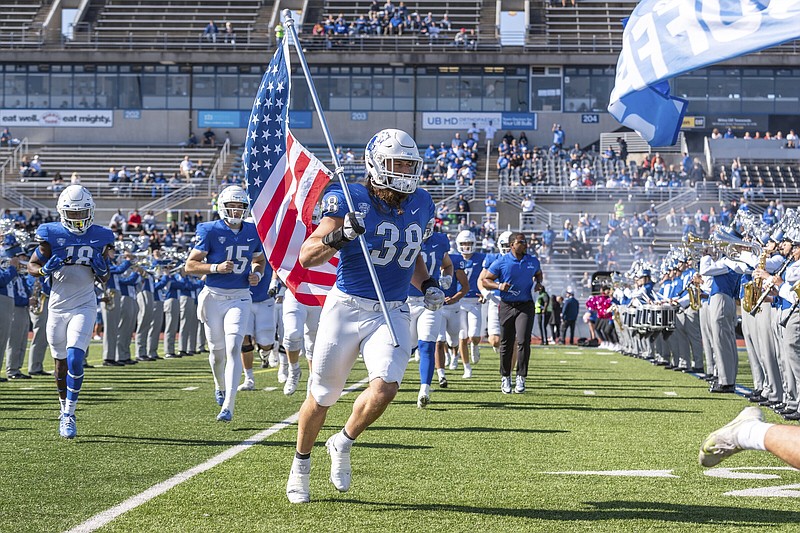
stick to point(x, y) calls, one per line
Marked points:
point(383, 152)
point(465, 242)
point(76, 208)
point(233, 195)
point(504, 242)
point(428, 229)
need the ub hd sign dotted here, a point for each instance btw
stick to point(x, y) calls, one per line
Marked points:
point(464, 121)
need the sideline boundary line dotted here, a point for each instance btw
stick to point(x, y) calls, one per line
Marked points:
point(101, 519)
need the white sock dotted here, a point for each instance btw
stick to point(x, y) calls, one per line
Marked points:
point(440, 372)
point(750, 435)
point(475, 351)
point(425, 389)
point(283, 359)
point(63, 404)
point(248, 372)
point(69, 407)
point(342, 443)
point(302, 466)
point(295, 366)
point(216, 359)
point(468, 367)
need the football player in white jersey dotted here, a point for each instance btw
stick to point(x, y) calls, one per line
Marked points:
point(72, 254)
point(492, 298)
point(229, 253)
point(471, 305)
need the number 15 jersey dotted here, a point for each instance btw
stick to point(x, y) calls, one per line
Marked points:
point(393, 239)
point(222, 244)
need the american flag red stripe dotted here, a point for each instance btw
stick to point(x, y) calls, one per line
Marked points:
point(284, 181)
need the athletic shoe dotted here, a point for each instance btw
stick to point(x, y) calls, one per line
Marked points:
point(453, 363)
point(292, 381)
point(505, 384)
point(467, 373)
point(722, 443)
point(447, 359)
point(67, 427)
point(340, 466)
point(475, 356)
point(416, 356)
point(219, 395)
point(224, 416)
point(170, 356)
point(423, 400)
point(264, 358)
point(297, 487)
point(443, 382)
point(283, 373)
point(97, 337)
point(520, 388)
point(248, 384)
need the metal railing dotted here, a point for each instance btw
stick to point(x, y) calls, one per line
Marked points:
point(219, 165)
point(170, 201)
point(11, 164)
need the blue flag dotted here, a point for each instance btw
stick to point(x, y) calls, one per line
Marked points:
point(665, 39)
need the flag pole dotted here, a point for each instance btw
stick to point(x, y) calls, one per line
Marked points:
point(291, 32)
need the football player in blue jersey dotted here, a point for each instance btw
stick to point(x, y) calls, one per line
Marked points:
point(425, 324)
point(471, 262)
point(492, 296)
point(392, 214)
point(72, 254)
point(229, 254)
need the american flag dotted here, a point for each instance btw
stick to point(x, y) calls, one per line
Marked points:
point(284, 182)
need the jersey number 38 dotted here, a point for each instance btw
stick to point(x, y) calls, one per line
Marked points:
point(389, 250)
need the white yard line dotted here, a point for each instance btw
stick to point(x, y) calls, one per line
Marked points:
point(101, 519)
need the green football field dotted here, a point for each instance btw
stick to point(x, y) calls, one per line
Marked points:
point(600, 442)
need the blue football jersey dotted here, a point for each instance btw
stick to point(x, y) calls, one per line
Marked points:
point(222, 244)
point(394, 240)
point(472, 268)
point(433, 251)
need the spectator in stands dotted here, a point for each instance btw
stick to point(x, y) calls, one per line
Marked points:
point(134, 220)
point(528, 204)
point(192, 141)
point(56, 184)
point(211, 31)
point(279, 33)
point(117, 222)
point(716, 134)
point(491, 204)
point(445, 23)
point(186, 167)
point(729, 134)
point(75, 179)
point(688, 226)
point(474, 133)
point(686, 164)
point(230, 35)
point(149, 222)
point(622, 150)
point(558, 136)
point(490, 130)
point(697, 174)
point(460, 39)
point(200, 169)
point(36, 167)
point(6, 139)
point(209, 138)
point(24, 168)
point(462, 206)
point(548, 241)
point(780, 210)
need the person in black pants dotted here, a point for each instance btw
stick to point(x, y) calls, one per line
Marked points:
point(555, 318)
point(515, 275)
point(569, 315)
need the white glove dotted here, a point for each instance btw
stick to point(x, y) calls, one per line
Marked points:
point(445, 282)
point(353, 225)
point(274, 287)
point(433, 299)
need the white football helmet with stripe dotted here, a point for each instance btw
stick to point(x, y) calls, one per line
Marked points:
point(76, 209)
point(233, 204)
point(384, 150)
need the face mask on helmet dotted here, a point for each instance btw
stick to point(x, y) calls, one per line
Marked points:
point(76, 209)
point(504, 242)
point(316, 216)
point(233, 205)
point(465, 243)
point(428, 230)
point(393, 162)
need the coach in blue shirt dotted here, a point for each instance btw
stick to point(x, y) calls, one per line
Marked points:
point(515, 275)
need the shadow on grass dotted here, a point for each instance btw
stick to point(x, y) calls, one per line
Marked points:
point(474, 429)
point(721, 516)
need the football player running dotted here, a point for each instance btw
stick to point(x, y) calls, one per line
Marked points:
point(392, 215)
point(425, 324)
point(72, 254)
point(471, 262)
point(493, 297)
point(229, 253)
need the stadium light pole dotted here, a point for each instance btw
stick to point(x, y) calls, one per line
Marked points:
point(339, 169)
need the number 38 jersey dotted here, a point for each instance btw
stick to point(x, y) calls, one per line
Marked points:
point(394, 240)
point(222, 244)
point(73, 284)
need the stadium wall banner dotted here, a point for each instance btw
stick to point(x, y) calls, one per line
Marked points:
point(58, 118)
point(740, 123)
point(464, 121)
point(240, 119)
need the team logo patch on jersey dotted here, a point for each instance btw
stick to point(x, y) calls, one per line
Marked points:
point(364, 208)
point(222, 239)
point(61, 241)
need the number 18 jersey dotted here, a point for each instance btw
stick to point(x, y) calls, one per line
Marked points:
point(393, 239)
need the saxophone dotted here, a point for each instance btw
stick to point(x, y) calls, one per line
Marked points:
point(38, 298)
point(108, 296)
point(754, 287)
point(695, 303)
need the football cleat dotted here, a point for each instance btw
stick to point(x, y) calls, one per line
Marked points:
point(475, 356)
point(297, 487)
point(224, 416)
point(273, 357)
point(67, 427)
point(423, 400)
point(283, 373)
point(443, 382)
point(340, 466)
point(453, 363)
point(248, 384)
point(292, 381)
point(723, 443)
point(264, 358)
point(505, 385)
point(467, 373)
point(520, 388)
point(219, 396)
